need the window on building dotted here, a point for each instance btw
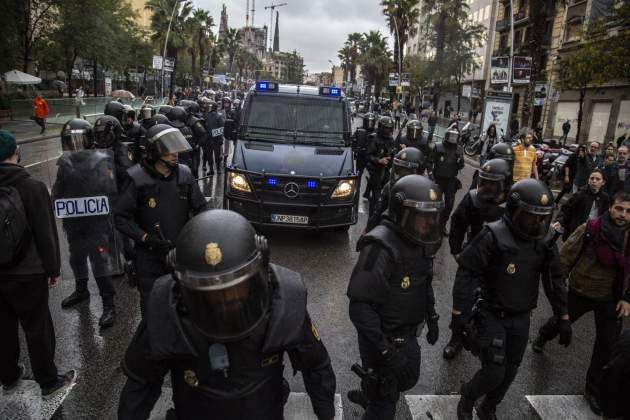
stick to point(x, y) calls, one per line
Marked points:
point(503, 41)
point(573, 31)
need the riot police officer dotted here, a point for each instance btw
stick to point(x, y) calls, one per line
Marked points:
point(361, 136)
point(214, 126)
point(477, 208)
point(109, 134)
point(411, 136)
point(229, 127)
point(116, 110)
point(86, 171)
point(406, 162)
point(144, 116)
point(196, 124)
point(133, 130)
point(178, 117)
point(447, 160)
point(381, 149)
point(507, 258)
point(391, 295)
point(155, 205)
point(221, 324)
point(498, 151)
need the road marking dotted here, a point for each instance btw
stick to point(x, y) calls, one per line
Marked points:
point(565, 407)
point(26, 403)
point(298, 406)
point(433, 407)
point(43, 161)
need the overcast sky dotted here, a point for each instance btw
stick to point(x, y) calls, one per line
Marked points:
point(315, 28)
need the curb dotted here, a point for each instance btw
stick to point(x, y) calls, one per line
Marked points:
point(38, 138)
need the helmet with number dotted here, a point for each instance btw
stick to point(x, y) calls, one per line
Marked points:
point(414, 130)
point(162, 140)
point(107, 132)
point(529, 209)
point(178, 116)
point(76, 135)
point(116, 110)
point(409, 161)
point(494, 181)
point(369, 121)
point(222, 268)
point(415, 205)
point(386, 127)
point(451, 135)
point(164, 109)
point(146, 113)
point(502, 151)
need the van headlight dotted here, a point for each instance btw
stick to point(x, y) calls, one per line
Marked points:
point(344, 189)
point(239, 182)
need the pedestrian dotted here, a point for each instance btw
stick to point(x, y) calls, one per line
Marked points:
point(623, 174)
point(610, 172)
point(362, 136)
point(30, 264)
point(595, 258)
point(507, 259)
point(589, 202)
point(566, 128)
point(432, 122)
point(397, 116)
point(568, 174)
point(40, 112)
point(157, 202)
point(478, 207)
point(538, 133)
point(487, 141)
point(391, 295)
point(221, 323)
point(586, 162)
point(173, 99)
point(525, 159)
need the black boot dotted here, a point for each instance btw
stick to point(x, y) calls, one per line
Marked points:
point(486, 410)
point(358, 397)
point(456, 343)
point(538, 345)
point(78, 296)
point(592, 402)
point(109, 315)
point(465, 406)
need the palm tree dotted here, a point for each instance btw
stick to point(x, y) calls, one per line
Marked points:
point(374, 59)
point(353, 42)
point(216, 50)
point(402, 16)
point(345, 56)
point(198, 28)
point(231, 42)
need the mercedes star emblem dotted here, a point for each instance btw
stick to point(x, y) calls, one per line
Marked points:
point(291, 189)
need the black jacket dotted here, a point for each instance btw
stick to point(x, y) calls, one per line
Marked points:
point(43, 256)
point(577, 208)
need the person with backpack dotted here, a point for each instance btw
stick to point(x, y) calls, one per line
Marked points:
point(30, 264)
point(595, 257)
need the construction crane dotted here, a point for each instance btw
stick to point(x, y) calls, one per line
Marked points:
point(271, 8)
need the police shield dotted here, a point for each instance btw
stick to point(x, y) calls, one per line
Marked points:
point(83, 195)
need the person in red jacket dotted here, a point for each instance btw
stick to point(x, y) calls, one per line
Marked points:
point(40, 112)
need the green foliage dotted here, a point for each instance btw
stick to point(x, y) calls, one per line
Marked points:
point(295, 68)
point(231, 43)
point(374, 59)
point(402, 16)
point(419, 70)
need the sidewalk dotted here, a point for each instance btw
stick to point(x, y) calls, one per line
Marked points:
point(26, 130)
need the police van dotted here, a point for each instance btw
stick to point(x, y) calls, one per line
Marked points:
point(292, 164)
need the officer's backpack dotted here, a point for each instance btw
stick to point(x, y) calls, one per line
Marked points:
point(15, 233)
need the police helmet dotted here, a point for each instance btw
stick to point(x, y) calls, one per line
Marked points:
point(213, 106)
point(369, 121)
point(177, 116)
point(502, 151)
point(415, 206)
point(408, 161)
point(494, 181)
point(529, 209)
point(162, 140)
point(386, 126)
point(129, 112)
point(452, 134)
point(237, 103)
point(191, 107)
point(414, 130)
point(107, 131)
point(116, 110)
point(164, 109)
point(222, 268)
point(146, 112)
point(159, 119)
point(77, 134)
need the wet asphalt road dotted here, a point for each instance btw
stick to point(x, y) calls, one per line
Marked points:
point(326, 260)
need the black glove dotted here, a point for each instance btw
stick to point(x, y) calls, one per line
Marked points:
point(565, 332)
point(158, 244)
point(433, 331)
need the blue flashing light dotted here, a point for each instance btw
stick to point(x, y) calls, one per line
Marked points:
point(329, 91)
point(266, 86)
point(272, 182)
point(335, 92)
point(311, 184)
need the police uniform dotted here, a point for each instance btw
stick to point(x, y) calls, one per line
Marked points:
point(214, 126)
point(378, 147)
point(199, 138)
point(448, 160)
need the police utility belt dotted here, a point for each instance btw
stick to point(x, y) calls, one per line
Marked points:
point(498, 312)
point(401, 336)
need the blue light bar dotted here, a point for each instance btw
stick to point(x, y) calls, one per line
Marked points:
point(311, 184)
point(272, 182)
point(266, 86)
point(329, 91)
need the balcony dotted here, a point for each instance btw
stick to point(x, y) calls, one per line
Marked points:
point(520, 18)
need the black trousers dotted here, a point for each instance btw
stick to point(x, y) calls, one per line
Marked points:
point(384, 407)
point(503, 342)
point(449, 187)
point(607, 330)
point(213, 151)
point(25, 301)
point(82, 250)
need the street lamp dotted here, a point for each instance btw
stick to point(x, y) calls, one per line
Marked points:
point(168, 31)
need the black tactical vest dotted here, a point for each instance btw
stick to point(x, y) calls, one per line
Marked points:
point(481, 213)
point(511, 280)
point(446, 161)
point(164, 201)
point(409, 282)
point(254, 381)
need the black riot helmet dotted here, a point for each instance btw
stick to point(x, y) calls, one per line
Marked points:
point(107, 132)
point(76, 135)
point(414, 130)
point(188, 105)
point(129, 113)
point(408, 161)
point(159, 119)
point(494, 181)
point(451, 136)
point(226, 101)
point(386, 127)
point(163, 139)
point(222, 267)
point(164, 109)
point(146, 113)
point(529, 209)
point(213, 107)
point(369, 121)
point(502, 151)
point(177, 116)
point(415, 205)
point(116, 110)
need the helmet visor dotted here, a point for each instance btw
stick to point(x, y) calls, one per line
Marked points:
point(104, 136)
point(76, 140)
point(413, 132)
point(171, 141)
point(402, 168)
point(386, 131)
point(421, 221)
point(491, 190)
point(146, 113)
point(531, 223)
point(227, 310)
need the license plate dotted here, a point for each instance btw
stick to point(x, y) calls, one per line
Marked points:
point(287, 218)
